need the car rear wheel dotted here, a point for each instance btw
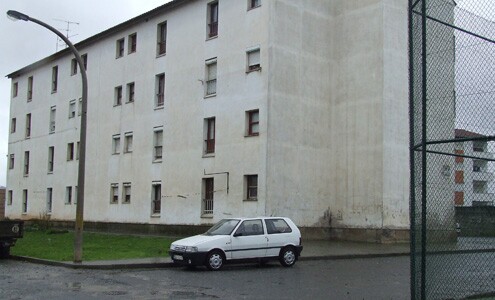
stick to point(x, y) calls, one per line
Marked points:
point(287, 257)
point(214, 260)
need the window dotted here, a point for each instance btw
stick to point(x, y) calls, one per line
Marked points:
point(479, 146)
point(253, 123)
point(253, 3)
point(250, 227)
point(72, 109)
point(49, 200)
point(11, 161)
point(79, 107)
point(459, 198)
point(26, 163)
point(132, 40)
point(209, 146)
point(118, 96)
point(160, 91)
point(75, 194)
point(114, 193)
point(24, 201)
point(130, 92)
point(158, 144)
point(459, 177)
point(51, 158)
point(161, 39)
point(13, 124)
point(156, 197)
point(68, 195)
point(120, 48)
point(274, 226)
point(77, 150)
point(479, 187)
point(208, 193)
point(70, 151)
point(126, 197)
point(73, 66)
point(251, 187)
point(53, 114)
point(116, 144)
point(211, 77)
point(54, 79)
point(85, 61)
point(28, 126)
point(10, 196)
point(30, 89)
point(212, 19)
point(128, 142)
point(253, 60)
point(15, 89)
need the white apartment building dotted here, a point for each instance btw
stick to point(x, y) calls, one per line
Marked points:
point(201, 110)
point(473, 177)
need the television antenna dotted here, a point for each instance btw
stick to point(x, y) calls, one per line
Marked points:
point(67, 31)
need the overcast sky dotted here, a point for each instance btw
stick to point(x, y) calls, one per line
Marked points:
point(24, 42)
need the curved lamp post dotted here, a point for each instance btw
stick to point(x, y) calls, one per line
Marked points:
point(78, 240)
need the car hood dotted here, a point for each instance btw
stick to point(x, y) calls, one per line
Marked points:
point(199, 239)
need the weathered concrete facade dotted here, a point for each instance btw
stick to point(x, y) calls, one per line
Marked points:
point(332, 96)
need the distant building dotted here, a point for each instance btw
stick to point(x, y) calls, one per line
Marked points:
point(473, 177)
point(202, 110)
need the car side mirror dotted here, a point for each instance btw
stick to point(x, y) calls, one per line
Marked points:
point(237, 234)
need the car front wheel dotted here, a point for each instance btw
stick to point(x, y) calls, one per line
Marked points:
point(287, 257)
point(214, 260)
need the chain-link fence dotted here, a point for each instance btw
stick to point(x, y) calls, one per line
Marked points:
point(452, 73)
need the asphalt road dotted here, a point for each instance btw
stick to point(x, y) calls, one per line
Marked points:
point(372, 278)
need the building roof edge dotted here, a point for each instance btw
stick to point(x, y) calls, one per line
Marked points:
point(92, 39)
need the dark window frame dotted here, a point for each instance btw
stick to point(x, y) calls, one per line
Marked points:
point(251, 123)
point(156, 198)
point(160, 91)
point(251, 187)
point(210, 124)
point(161, 39)
point(132, 43)
point(120, 48)
point(212, 19)
point(54, 79)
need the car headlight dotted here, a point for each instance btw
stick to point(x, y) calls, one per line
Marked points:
point(191, 249)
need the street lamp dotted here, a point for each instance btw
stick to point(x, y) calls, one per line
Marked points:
point(78, 240)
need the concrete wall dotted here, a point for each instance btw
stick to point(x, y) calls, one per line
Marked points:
point(343, 161)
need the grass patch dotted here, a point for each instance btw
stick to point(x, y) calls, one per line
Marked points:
point(96, 246)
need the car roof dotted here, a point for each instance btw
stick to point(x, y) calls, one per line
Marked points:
point(255, 218)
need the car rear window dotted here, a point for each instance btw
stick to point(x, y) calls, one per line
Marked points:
point(274, 226)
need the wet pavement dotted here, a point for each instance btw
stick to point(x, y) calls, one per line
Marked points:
point(313, 250)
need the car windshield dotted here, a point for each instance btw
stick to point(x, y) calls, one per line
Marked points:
point(224, 227)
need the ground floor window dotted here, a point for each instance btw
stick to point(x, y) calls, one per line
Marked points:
point(127, 193)
point(208, 192)
point(156, 197)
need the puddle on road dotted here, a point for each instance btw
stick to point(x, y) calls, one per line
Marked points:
point(74, 286)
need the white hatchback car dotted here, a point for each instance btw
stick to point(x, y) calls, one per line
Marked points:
point(233, 239)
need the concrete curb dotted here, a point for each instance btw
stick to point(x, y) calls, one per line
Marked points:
point(95, 265)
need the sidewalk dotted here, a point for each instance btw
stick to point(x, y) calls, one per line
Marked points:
point(313, 250)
